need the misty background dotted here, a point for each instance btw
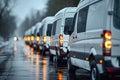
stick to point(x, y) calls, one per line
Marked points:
point(16, 16)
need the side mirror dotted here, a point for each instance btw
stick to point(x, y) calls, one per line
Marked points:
point(69, 32)
point(47, 32)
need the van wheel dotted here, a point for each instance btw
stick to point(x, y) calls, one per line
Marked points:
point(70, 67)
point(94, 73)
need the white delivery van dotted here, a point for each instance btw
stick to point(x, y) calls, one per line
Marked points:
point(28, 35)
point(95, 38)
point(37, 36)
point(46, 33)
point(60, 37)
point(32, 38)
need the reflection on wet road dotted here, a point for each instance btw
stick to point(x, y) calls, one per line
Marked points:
point(24, 63)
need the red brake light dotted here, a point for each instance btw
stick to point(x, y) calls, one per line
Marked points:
point(111, 70)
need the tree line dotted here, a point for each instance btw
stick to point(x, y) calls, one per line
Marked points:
point(53, 7)
point(7, 20)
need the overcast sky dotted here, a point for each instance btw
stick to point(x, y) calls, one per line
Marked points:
point(23, 8)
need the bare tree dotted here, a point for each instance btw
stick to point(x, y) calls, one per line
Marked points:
point(7, 21)
point(55, 5)
point(31, 20)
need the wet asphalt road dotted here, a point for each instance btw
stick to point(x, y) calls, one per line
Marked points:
point(20, 62)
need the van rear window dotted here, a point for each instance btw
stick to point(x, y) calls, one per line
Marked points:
point(116, 17)
point(49, 29)
point(40, 30)
point(68, 24)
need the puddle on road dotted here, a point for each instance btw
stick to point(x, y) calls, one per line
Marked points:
point(47, 71)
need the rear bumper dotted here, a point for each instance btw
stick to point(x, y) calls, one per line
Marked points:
point(110, 66)
point(63, 52)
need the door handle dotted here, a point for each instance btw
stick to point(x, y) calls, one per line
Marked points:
point(74, 37)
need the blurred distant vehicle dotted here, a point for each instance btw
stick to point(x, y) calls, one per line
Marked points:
point(46, 33)
point(27, 37)
point(36, 36)
point(32, 38)
point(17, 38)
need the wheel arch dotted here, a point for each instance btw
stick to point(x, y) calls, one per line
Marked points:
point(92, 55)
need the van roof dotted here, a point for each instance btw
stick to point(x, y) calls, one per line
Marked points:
point(67, 9)
point(28, 31)
point(49, 18)
point(33, 28)
point(85, 2)
point(38, 26)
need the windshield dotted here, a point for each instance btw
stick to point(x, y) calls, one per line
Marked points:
point(49, 29)
point(68, 24)
point(116, 17)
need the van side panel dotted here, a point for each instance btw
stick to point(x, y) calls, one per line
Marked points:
point(60, 24)
point(96, 22)
point(115, 29)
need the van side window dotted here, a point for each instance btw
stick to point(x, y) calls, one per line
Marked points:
point(54, 28)
point(82, 18)
point(49, 27)
point(40, 30)
point(73, 23)
point(58, 26)
point(116, 16)
point(68, 24)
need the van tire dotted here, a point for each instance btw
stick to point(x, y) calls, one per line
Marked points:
point(70, 67)
point(94, 73)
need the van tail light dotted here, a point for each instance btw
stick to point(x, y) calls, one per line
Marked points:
point(111, 70)
point(25, 38)
point(61, 40)
point(37, 38)
point(107, 34)
point(28, 38)
point(107, 42)
point(32, 38)
point(44, 39)
point(50, 39)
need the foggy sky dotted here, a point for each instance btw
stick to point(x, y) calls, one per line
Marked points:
point(23, 7)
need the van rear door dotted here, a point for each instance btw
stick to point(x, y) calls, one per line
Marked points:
point(115, 29)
